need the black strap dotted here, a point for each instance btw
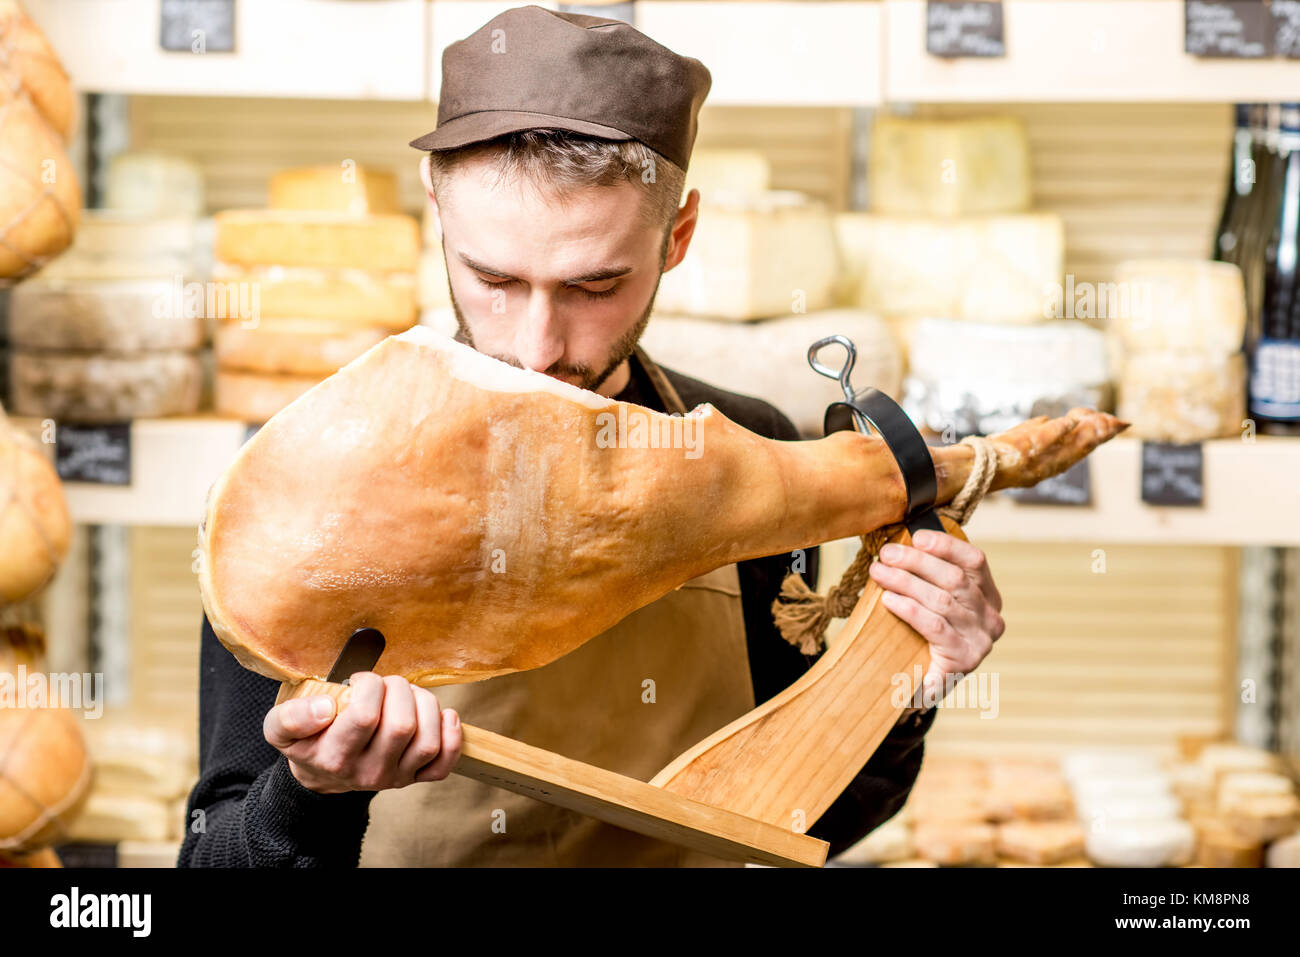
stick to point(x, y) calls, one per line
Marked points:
point(872, 408)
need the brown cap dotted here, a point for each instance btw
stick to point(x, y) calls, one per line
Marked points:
point(530, 67)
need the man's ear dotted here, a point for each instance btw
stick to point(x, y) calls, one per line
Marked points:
point(683, 229)
point(426, 177)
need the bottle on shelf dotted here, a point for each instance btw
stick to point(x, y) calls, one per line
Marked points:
point(1241, 180)
point(1274, 335)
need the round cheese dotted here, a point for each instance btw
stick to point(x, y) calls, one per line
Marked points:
point(104, 388)
point(1218, 846)
point(255, 397)
point(116, 244)
point(34, 525)
point(1040, 842)
point(299, 346)
point(955, 843)
point(98, 315)
point(1153, 843)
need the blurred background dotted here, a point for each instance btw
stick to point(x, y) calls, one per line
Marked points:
point(1011, 209)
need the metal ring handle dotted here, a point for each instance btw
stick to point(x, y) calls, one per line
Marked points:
point(841, 375)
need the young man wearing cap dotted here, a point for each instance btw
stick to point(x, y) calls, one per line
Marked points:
point(555, 173)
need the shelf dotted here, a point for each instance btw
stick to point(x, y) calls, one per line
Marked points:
point(289, 48)
point(1250, 491)
point(1079, 51)
point(855, 53)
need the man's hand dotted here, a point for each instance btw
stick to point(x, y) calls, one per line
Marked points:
point(942, 587)
point(390, 735)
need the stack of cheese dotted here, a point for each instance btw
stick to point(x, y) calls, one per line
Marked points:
point(1242, 805)
point(144, 770)
point(756, 289)
point(1127, 805)
point(329, 270)
point(950, 235)
point(969, 812)
point(1177, 351)
point(105, 333)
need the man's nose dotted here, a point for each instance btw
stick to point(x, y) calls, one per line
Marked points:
point(539, 344)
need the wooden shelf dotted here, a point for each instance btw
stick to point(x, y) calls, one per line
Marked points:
point(857, 53)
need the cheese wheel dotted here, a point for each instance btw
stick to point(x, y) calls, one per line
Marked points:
point(1218, 846)
point(1091, 764)
point(1127, 787)
point(955, 843)
point(1028, 799)
point(345, 187)
point(1157, 843)
point(286, 292)
point(1284, 852)
point(1182, 397)
point(1040, 842)
point(382, 242)
point(1127, 808)
point(117, 244)
point(98, 315)
point(1236, 785)
point(35, 528)
point(31, 66)
point(154, 184)
point(316, 347)
point(1225, 758)
point(435, 291)
point(137, 755)
point(949, 166)
point(754, 257)
point(1263, 818)
point(1192, 782)
point(1180, 305)
point(104, 388)
point(255, 397)
point(985, 377)
point(769, 358)
point(981, 268)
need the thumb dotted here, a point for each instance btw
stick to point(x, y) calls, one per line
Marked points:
point(297, 719)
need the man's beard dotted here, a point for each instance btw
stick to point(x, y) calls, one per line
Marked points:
point(588, 377)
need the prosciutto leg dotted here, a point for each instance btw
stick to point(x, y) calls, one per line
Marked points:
point(489, 519)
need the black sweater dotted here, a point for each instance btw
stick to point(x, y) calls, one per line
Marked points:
point(248, 810)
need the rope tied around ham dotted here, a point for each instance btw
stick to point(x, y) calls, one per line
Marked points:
point(802, 615)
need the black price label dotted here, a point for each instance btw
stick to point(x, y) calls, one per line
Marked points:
point(956, 29)
point(1286, 28)
point(99, 454)
point(197, 26)
point(1173, 473)
point(1233, 29)
point(1071, 487)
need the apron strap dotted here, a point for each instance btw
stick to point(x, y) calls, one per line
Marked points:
point(667, 394)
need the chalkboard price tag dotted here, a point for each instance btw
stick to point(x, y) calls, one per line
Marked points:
point(98, 454)
point(1172, 473)
point(197, 26)
point(1286, 28)
point(1230, 29)
point(958, 28)
point(1071, 487)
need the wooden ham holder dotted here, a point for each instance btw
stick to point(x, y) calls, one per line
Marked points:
point(749, 791)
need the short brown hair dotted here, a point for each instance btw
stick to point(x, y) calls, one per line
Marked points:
point(567, 160)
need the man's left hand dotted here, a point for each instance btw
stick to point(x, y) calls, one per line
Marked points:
point(942, 587)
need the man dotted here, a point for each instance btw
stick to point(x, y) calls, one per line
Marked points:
point(556, 174)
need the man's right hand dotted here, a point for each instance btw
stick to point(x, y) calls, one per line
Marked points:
point(390, 735)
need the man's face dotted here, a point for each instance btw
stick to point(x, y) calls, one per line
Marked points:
point(560, 284)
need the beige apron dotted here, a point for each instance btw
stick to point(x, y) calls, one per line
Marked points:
point(630, 700)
